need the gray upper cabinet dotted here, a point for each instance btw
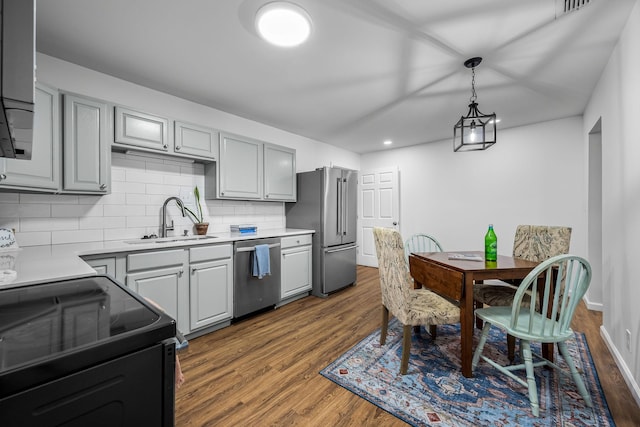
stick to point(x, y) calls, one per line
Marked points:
point(279, 173)
point(87, 154)
point(142, 130)
point(42, 172)
point(249, 169)
point(239, 170)
point(195, 140)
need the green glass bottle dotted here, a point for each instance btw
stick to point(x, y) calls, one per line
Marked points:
point(490, 245)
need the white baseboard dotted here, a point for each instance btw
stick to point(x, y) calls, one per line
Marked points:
point(626, 374)
point(596, 306)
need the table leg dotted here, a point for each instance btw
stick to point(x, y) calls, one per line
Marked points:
point(466, 326)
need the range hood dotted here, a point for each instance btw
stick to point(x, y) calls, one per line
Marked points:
point(17, 70)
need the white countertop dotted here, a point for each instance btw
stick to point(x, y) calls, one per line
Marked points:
point(38, 264)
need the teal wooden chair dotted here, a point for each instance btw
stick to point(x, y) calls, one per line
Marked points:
point(420, 243)
point(533, 243)
point(546, 322)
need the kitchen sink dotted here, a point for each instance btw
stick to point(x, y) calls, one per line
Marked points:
point(173, 239)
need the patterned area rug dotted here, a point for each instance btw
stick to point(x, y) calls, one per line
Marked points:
point(434, 392)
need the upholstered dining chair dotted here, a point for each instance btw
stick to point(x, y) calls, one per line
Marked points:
point(533, 243)
point(412, 307)
point(421, 243)
point(548, 322)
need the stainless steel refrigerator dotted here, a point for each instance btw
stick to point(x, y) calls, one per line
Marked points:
point(326, 203)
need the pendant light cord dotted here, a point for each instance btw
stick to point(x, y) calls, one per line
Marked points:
point(473, 85)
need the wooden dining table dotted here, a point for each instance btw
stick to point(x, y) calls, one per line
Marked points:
point(454, 280)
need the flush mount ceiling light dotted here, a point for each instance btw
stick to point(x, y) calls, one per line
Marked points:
point(475, 131)
point(283, 24)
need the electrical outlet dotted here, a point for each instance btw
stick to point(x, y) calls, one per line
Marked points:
point(627, 334)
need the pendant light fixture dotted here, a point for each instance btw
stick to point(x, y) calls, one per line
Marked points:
point(475, 131)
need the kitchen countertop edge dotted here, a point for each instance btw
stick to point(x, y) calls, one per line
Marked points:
point(49, 263)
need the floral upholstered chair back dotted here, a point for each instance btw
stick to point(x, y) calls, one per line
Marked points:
point(539, 242)
point(395, 280)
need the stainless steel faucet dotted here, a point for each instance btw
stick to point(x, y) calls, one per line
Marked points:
point(164, 228)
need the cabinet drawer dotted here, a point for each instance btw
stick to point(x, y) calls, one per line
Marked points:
point(292, 241)
point(210, 253)
point(148, 260)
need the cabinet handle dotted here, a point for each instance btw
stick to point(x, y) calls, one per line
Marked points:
point(177, 148)
point(193, 270)
point(2, 176)
point(180, 273)
point(165, 146)
point(103, 186)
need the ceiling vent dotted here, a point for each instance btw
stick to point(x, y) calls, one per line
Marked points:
point(566, 6)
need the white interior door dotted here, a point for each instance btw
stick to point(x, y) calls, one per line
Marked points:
point(378, 206)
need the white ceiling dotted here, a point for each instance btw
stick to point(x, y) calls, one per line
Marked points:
point(372, 70)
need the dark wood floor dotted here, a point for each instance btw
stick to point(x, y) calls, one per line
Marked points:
point(263, 371)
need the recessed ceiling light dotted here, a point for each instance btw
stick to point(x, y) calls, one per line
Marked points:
point(388, 142)
point(283, 24)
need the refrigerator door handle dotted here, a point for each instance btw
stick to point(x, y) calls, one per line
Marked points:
point(345, 206)
point(340, 206)
point(341, 249)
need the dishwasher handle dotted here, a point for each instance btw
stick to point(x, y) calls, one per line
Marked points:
point(253, 248)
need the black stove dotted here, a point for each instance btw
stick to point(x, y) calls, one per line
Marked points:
point(88, 340)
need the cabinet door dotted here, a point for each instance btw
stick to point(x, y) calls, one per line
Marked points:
point(42, 172)
point(211, 289)
point(296, 271)
point(87, 156)
point(142, 130)
point(240, 168)
point(168, 288)
point(279, 173)
point(195, 140)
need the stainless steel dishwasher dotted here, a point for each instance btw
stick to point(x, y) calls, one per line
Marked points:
point(250, 293)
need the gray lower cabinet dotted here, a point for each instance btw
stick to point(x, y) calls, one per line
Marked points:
point(42, 172)
point(143, 130)
point(114, 266)
point(210, 285)
point(296, 266)
point(86, 147)
point(161, 277)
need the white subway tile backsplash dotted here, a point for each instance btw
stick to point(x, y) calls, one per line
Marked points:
point(10, 223)
point(9, 198)
point(141, 221)
point(48, 224)
point(35, 210)
point(123, 210)
point(143, 177)
point(48, 198)
point(160, 188)
point(33, 238)
point(103, 222)
point(140, 183)
point(136, 199)
point(124, 233)
point(9, 210)
point(76, 210)
point(117, 174)
point(79, 236)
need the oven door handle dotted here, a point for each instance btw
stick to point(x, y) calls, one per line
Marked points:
point(253, 248)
